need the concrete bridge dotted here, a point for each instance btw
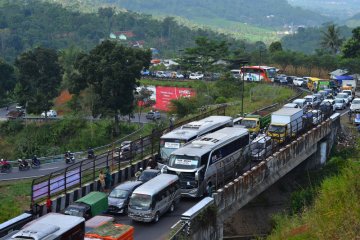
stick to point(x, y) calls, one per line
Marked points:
point(205, 220)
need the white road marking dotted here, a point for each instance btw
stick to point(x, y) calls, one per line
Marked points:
point(44, 169)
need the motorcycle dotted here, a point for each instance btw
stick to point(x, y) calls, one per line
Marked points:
point(70, 158)
point(35, 164)
point(23, 165)
point(91, 155)
point(5, 166)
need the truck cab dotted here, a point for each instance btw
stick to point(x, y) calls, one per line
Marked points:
point(255, 122)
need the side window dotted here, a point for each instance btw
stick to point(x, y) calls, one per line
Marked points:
point(204, 159)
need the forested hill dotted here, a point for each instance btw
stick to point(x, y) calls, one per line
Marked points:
point(270, 13)
point(27, 24)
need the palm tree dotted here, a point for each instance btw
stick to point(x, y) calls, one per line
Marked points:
point(331, 39)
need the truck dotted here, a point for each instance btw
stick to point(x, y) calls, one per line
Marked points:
point(88, 206)
point(285, 123)
point(256, 121)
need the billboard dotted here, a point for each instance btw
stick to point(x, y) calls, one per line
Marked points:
point(165, 94)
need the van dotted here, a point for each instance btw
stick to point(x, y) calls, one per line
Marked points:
point(88, 206)
point(154, 198)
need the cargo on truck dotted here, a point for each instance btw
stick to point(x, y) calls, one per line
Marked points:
point(285, 123)
point(88, 206)
point(256, 121)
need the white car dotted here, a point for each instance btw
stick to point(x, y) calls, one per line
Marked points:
point(355, 105)
point(196, 76)
point(340, 103)
point(348, 92)
point(50, 113)
point(344, 96)
point(298, 82)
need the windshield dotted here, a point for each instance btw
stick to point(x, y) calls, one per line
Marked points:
point(184, 162)
point(344, 95)
point(73, 211)
point(140, 201)
point(271, 72)
point(249, 123)
point(356, 102)
point(167, 146)
point(119, 193)
point(257, 145)
point(339, 101)
point(276, 129)
point(309, 99)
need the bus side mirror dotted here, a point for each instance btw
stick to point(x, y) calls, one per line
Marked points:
point(197, 175)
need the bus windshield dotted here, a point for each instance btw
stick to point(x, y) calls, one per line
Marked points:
point(184, 162)
point(140, 201)
point(167, 146)
point(271, 72)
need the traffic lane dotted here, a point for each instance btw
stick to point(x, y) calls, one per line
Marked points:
point(161, 229)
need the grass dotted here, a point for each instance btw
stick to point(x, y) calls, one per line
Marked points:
point(335, 211)
point(14, 198)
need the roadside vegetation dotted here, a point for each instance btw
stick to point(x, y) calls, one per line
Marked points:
point(328, 208)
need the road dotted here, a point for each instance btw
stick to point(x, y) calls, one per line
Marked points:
point(159, 230)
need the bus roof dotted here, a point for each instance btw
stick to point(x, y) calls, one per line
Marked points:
point(156, 184)
point(195, 128)
point(53, 224)
point(210, 141)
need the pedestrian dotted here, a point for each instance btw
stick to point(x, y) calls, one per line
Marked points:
point(48, 205)
point(108, 178)
point(102, 181)
point(171, 124)
point(350, 115)
point(152, 164)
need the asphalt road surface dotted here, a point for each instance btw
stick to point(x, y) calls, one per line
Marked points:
point(159, 230)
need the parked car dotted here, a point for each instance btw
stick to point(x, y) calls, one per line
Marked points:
point(160, 74)
point(340, 103)
point(355, 105)
point(119, 197)
point(298, 82)
point(344, 96)
point(196, 76)
point(153, 115)
point(145, 72)
point(50, 113)
point(148, 174)
point(312, 101)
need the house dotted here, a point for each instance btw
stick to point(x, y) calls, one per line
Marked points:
point(122, 35)
point(338, 72)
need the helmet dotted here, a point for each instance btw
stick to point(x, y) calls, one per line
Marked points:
point(68, 151)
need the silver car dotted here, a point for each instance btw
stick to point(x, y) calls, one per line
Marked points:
point(340, 103)
point(355, 105)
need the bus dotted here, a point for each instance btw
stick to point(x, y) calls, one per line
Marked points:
point(52, 226)
point(154, 198)
point(259, 73)
point(315, 84)
point(173, 140)
point(15, 223)
point(209, 161)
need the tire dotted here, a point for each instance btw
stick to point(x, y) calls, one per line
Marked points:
point(172, 207)
point(157, 216)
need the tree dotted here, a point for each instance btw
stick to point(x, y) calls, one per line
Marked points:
point(351, 48)
point(111, 70)
point(143, 99)
point(39, 79)
point(283, 58)
point(204, 54)
point(331, 39)
point(275, 47)
point(7, 79)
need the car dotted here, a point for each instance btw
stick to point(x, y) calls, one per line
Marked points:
point(319, 96)
point(312, 101)
point(355, 105)
point(357, 119)
point(283, 80)
point(323, 93)
point(160, 74)
point(196, 76)
point(290, 79)
point(179, 75)
point(344, 96)
point(291, 105)
point(348, 92)
point(148, 174)
point(261, 147)
point(119, 197)
point(153, 115)
point(340, 103)
point(298, 82)
point(145, 72)
point(50, 113)
point(317, 116)
point(301, 102)
point(330, 102)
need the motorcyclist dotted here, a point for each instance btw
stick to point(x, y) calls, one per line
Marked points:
point(69, 157)
point(35, 161)
point(91, 153)
point(4, 165)
point(23, 163)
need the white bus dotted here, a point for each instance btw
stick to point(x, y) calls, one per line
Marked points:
point(52, 226)
point(209, 161)
point(154, 198)
point(188, 132)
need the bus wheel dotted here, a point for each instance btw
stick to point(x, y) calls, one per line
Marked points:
point(157, 215)
point(172, 207)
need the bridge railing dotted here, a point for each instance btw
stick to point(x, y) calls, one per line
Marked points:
point(87, 170)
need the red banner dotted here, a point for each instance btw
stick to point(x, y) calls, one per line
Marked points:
point(165, 94)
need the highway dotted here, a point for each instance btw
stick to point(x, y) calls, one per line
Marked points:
point(159, 230)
